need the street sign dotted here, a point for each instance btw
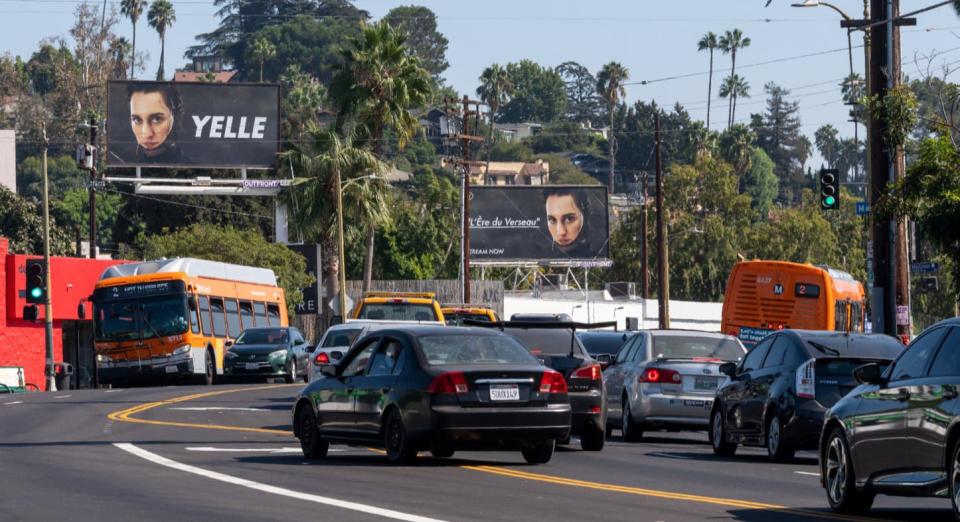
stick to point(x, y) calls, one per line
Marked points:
point(334, 304)
point(863, 208)
point(903, 315)
point(96, 185)
point(927, 267)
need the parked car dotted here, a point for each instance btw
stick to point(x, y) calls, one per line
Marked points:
point(666, 380)
point(603, 342)
point(548, 318)
point(268, 352)
point(418, 387)
point(336, 341)
point(778, 395)
point(897, 433)
point(420, 307)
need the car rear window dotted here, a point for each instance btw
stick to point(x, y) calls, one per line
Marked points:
point(597, 343)
point(460, 349)
point(547, 341)
point(865, 346)
point(398, 312)
point(262, 336)
point(455, 317)
point(340, 338)
point(695, 346)
point(842, 367)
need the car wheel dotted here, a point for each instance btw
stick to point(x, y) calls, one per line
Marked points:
point(539, 453)
point(718, 435)
point(777, 449)
point(312, 445)
point(291, 376)
point(209, 369)
point(842, 493)
point(629, 429)
point(396, 441)
point(955, 481)
point(442, 451)
point(593, 439)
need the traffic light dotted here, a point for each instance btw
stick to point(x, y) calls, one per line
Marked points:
point(829, 189)
point(36, 281)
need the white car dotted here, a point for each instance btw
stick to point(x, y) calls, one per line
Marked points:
point(338, 339)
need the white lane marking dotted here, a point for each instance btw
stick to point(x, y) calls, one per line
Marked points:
point(211, 449)
point(14, 402)
point(63, 396)
point(259, 486)
point(810, 473)
point(217, 408)
point(112, 390)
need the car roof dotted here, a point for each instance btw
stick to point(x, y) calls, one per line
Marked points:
point(953, 320)
point(267, 328)
point(418, 330)
point(679, 332)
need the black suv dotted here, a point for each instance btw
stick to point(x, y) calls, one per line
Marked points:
point(778, 395)
point(898, 432)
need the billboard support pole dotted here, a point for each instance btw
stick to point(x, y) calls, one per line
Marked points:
point(663, 296)
point(47, 276)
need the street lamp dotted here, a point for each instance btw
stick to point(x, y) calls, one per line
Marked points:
point(342, 261)
point(615, 312)
point(574, 308)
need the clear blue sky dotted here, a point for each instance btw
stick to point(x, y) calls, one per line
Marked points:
point(653, 39)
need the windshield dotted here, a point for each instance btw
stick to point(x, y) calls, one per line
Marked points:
point(263, 336)
point(440, 350)
point(454, 318)
point(340, 338)
point(597, 343)
point(693, 347)
point(131, 319)
point(553, 341)
point(398, 312)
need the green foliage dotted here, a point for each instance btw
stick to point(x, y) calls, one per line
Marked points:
point(779, 134)
point(303, 97)
point(21, 222)
point(635, 136)
point(73, 212)
point(760, 183)
point(311, 45)
point(238, 246)
point(62, 173)
point(583, 102)
point(510, 151)
point(563, 172)
point(736, 146)
point(898, 113)
point(564, 137)
point(418, 25)
point(49, 67)
point(538, 94)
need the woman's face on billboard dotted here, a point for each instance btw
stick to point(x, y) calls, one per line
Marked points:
point(150, 118)
point(564, 219)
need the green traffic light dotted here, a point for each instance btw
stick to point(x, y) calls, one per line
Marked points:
point(829, 201)
point(36, 292)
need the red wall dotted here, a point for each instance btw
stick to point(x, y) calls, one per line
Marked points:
point(22, 342)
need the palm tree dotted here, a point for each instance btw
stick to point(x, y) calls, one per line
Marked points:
point(262, 51)
point(709, 42)
point(120, 50)
point(495, 90)
point(610, 81)
point(161, 17)
point(377, 84)
point(324, 165)
point(133, 9)
point(733, 87)
point(730, 42)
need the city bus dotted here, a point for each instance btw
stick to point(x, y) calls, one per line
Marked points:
point(764, 296)
point(174, 317)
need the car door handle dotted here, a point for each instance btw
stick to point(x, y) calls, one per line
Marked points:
point(903, 395)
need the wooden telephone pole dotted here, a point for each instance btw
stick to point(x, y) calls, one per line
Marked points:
point(663, 257)
point(466, 139)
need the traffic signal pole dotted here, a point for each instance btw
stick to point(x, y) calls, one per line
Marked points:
point(47, 303)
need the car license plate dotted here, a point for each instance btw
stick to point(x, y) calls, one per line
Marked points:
point(704, 383)
point(252, 366)
point(695, 404)
point(170, 369)
point(504, 392)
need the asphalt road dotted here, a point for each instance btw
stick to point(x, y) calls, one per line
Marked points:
point(226, 452)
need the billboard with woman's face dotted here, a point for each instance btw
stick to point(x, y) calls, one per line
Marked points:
point(173, 124)
point(552, 223)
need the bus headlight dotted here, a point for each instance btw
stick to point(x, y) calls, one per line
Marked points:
point(181, 350)
point(279, 354)
point(101, 358)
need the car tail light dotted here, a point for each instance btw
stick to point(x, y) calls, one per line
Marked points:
point(592, 372)
point(450, 382)
point(322, 358)
point(552, 382)
point(806, 380)
point(660, 375)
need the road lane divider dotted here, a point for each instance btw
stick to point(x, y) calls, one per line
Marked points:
point(274, 490)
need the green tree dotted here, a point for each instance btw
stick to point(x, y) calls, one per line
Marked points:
point(583, 103)
point(736, 147)
point(538, 94)
point(161, 17)
point(73, 212)
point(303, 97)
point(133, 9)
point(760, 182)
point(730, 43)
point(734, 87)
point(238, 246)
point(261, 51)
point(779, 134)
point(563, 172)
point(418, 25)
point(610, 82)
point(709, 43)
point(62, 174)
point(312, 45)
point(564, 136)
point(21, 222)
point(495, 91)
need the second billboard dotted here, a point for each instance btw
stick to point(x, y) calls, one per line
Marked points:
point(551, 223)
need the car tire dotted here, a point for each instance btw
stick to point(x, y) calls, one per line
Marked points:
point(291, 376)
point(593, 439)
point(954, 471)
point(840, 482)
point(629, 429)
point(539, 453)
point(396, 440)
point(777, 449)
point(442, 451)
point(718, 435)
point(311, 443)
point(209, 368)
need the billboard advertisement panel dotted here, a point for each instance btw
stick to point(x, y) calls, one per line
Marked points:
point(550, 223)
point(311, 294)
point(203, 125)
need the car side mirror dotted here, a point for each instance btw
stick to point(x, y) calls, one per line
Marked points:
point(729, 369)
point(605, 360)
point(328, 370)
point(868, 374)
point(228, 343)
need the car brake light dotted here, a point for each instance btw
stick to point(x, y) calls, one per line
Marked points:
point(806, 380)
point(660, 375)
point(552, 382)
point(322, 358)
point(592, 372)
point(450, 382)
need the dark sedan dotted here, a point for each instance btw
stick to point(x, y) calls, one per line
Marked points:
point(777, 396)
point(268, 352)
point(898, 433)
point(419, 387)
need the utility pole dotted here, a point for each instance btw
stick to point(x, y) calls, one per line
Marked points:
point(644, 249)
point(48, 273)
point(663, 268)
point(342, 270)
point(901, 256)
point(93, 188)
point(465, 139)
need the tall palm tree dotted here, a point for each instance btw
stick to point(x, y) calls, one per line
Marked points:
point(733, 87)
point(119, 51)
point(377, 84)
point(495, 90)
point(324, 165)
point(730, 43)
point(610, 81)
point(709, 42)
point(133, 9)
point(262, 51)
point(161, 17)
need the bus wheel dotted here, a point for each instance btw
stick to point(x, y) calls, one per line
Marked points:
point(210, 368)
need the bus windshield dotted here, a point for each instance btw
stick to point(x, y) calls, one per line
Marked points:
point(141, 318)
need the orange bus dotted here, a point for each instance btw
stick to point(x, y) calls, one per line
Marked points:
point(763, 296)
point(172, 318)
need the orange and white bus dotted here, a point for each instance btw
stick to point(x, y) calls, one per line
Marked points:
point(763, 296)
point(172, 318)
